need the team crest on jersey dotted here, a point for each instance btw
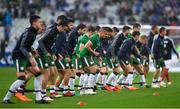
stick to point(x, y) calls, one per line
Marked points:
point(21, 68)
point(67, 65)
point(80, 66)
point(46, 65)
point(126, 62)
point(72, 65)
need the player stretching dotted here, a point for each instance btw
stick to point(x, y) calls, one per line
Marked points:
point(24, 60)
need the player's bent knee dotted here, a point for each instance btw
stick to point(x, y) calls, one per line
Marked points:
point(22, 77)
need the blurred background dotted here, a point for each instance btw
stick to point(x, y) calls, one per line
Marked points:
point(14, 16)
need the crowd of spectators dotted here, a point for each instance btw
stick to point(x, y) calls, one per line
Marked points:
point(160, 12)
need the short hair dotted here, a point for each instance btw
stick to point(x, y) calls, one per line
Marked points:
point(62, 20)
point(97, 28)
point(115, 29)
point(91, 29)
point(107, 29)
point(81, 26)
point(33, 18)
point(136, 25)
point(143, 37)
point(162, 29)
point(70, 20)
point(153, 27)
point(135, 33)
point(61, 17)
point(125, 28)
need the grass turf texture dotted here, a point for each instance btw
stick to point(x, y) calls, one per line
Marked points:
point(169, 97)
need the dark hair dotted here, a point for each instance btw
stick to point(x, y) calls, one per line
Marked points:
point(61, 17)
point(33, 18)
point(91, 29)
point(115, 29)
point(154, 26)
point(97, 28)
point(162, 29)
point(135, 33)
point(107, 29)
point(70, 20)
point(81, 26)
point(62, 20)
point(125, 28)
point(136, 25)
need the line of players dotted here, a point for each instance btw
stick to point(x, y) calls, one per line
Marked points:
point(64, 53)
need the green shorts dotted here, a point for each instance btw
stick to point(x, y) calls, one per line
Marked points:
point(104, 62)
point(21, 64)
point(64, 64)
point(77, 63)
point(124, 62)
point(39, 62)
point(145, 62)
point(159, 63)
point(135, 61)
point(112, 63)
point(47, 61)
point(88, 61)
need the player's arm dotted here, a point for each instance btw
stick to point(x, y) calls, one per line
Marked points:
point(25, 45)
point(88, 46)
point(42, 47)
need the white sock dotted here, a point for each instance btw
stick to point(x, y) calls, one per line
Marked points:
point(52, 88)
point(98, 77)
point(94, 82)
point(85, 80)
point(13, 88)
point(62, 84)
point(121, 78)
point(129, 79)
point(91, 80)
point(65, 89)
point(81, 80)
point(159, 79)
point(71, 83)
point(115, 80)
point(37, 86)
point(111, 78)
point(143, 80)
point(43, 92)
point(104, 79)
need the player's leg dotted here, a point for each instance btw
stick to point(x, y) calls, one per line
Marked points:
point(156, 74)
point(139, 69)
point(21, 76)
point(20, 93)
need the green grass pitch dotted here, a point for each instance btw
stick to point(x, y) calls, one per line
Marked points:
point(169, 97)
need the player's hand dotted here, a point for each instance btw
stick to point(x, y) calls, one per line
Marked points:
point(144, 57)
point(35, 53)
point(152, 57)
point(132, 56)
point(59, 57)
point(96, 54)
point(54, 57)
point(32, 61)
point(68, 59)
